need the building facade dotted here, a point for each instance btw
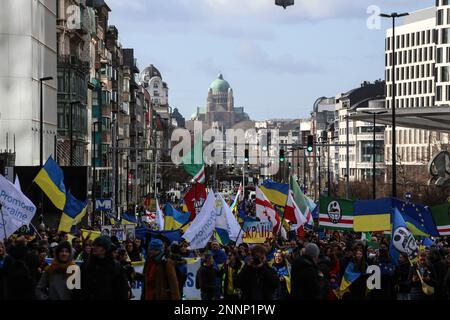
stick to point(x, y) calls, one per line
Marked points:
point(29, 52)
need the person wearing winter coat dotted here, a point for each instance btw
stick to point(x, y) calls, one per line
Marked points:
point(160, 277)
point(206, 278)
point(231, 269)
point(53, 282)
point(283, 270)
point(402, 283)
point(307, 281)
point(102, 277)
point(20, 268)
point(257, 280)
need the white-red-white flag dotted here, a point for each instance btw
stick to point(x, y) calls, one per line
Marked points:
point(265, 211)
point(293, 213)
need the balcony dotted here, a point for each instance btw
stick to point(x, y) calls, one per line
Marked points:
point(74, 62)
point(106, 110)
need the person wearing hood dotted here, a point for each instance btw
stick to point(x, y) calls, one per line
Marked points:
point(53, 282)
point(102, 277)
point(308, 282)
point(19, 272)
point(160, 277)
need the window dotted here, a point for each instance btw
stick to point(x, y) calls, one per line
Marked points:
point(439, 54)
point(445, 35)
point(438, 93)
point(445, 74)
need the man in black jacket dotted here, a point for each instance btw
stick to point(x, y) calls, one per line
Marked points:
point(257, 281)
point(103, 278)
point(308, 282)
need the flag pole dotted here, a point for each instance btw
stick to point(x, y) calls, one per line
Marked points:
point(3, 222)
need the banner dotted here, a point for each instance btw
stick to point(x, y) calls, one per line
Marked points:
point(136, 286)
point(256, 232)
point(122, 232)
point(17, 209)
point(336, 213)
point(227, 226)
point(202, 228)
point(190, 292)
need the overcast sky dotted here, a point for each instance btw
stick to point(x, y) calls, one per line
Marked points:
point(277, 61)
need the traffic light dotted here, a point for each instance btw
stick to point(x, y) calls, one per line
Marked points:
point(310, 146)
point(282, 155)
point(247, 157)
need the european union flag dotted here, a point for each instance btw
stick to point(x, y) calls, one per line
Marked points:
point(418, 218)
point(51, 180)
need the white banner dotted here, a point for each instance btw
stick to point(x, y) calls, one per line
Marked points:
point(136, 287)
point(202, 228)
point(190, 292)
point(17, 209)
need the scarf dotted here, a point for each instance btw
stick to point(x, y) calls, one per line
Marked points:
point(58, 268)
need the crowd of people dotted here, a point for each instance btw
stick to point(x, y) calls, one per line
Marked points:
point(311, 267)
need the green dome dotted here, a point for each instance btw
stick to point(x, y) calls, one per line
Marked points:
point(220, 85)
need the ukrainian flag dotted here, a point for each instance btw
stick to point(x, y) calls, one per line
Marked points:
point(51, 180)
point(372, 215)
point(73, 213)
point(349, 277)
point(90, 234)
point(276, 192)
point(173, 219)
point(129, 219)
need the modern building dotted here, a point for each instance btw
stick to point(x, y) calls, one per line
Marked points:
point(422, 81)
point(28, 50)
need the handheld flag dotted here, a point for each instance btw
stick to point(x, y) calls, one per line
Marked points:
point(275, 192)
point(51, 180)
point(266, 212)
point(306, 205)
point(193, 163)
point(236, 199)
point(227, 227)
point(292, 212)
point(202, 228)
point(16, 209)
point(159, 215)
point(194, 199)
point(174, 219)
point(403, 240)
point(441, 216)
point(349, 277)
point(336, 213)
point(73, 213)
point(418, 218)
point(372, 215)
point(128, 218)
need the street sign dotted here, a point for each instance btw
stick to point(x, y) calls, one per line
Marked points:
point(104, 204)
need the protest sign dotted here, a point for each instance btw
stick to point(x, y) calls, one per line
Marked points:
point(256, 232)
point(122, 232)
point(136, 286)
point(16, 209)
point(190, 292)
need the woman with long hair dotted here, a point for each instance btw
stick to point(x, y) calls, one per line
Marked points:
point(231, 269)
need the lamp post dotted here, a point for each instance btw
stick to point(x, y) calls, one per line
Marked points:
point(374, 112)
point(94, 165)
point(393, 16)
point(71, 130)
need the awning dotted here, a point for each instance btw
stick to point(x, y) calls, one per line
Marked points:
point(426, 118)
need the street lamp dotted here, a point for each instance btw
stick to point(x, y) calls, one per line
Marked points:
point(71, 130)
point(284, 3)
point(41, 121)
point(94, 164)
point(393, 16)
point(374, 112)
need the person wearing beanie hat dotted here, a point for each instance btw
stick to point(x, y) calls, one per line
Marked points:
point(160, 277)
point(53, 282)
point(307, 281)
point(102, 277)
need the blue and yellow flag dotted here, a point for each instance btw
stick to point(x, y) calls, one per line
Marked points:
point(275, 192)
point(403, 241)
point(173, 219)
point(418, 218)
point(128, 218)
point(372, 215)
point(349, 277)
point(73, 213)
point(51, 180)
